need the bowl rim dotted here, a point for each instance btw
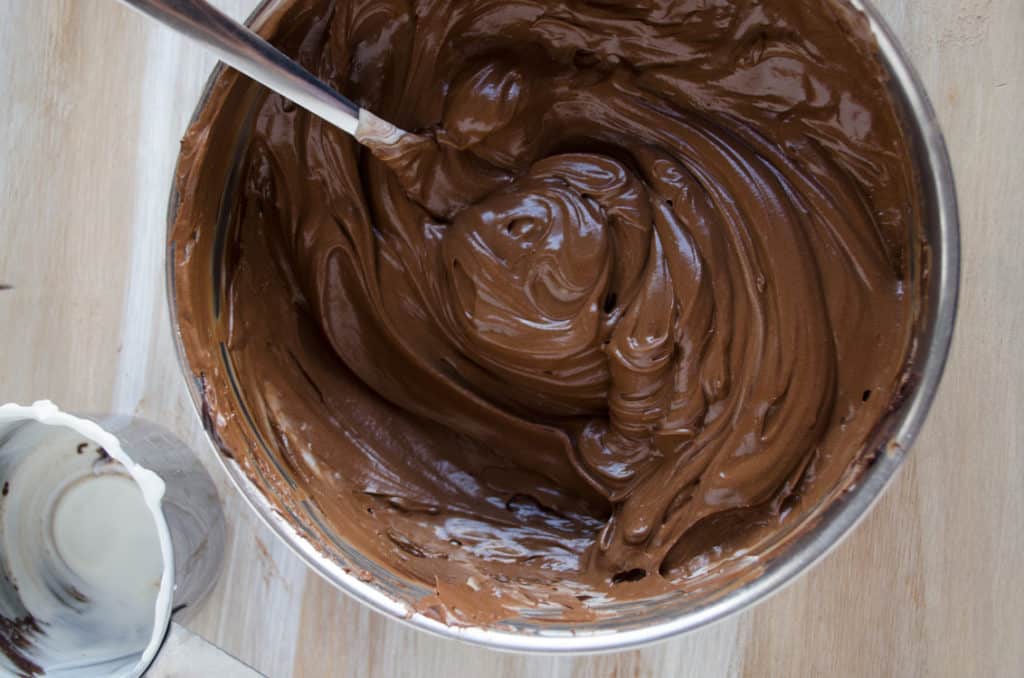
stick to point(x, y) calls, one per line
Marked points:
point(834, 522)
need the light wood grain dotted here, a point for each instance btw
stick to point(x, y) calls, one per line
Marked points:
point(93, 102)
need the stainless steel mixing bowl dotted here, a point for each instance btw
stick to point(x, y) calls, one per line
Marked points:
point(633, 623)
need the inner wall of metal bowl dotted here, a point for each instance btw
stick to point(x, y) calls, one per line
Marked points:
point(788, 553)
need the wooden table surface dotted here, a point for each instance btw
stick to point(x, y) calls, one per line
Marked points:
point(94, 100)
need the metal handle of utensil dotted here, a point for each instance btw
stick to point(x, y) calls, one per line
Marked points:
point(250, 54)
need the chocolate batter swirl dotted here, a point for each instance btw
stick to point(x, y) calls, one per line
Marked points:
point(629, 305)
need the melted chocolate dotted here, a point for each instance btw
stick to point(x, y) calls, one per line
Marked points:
point(626, 309)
